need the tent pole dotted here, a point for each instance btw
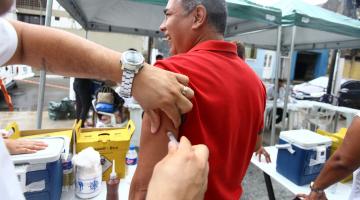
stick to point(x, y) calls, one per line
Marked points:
point(40, 100)
point(276, 86)
point(338, 71)
point(150, 46)
point(286, 98)
point(331, 75)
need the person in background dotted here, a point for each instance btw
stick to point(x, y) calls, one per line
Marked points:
point(341, 164)
point(281, 94)
point(83, 96)
point(259, 149)
point(159, 57)
point(240, 49)
point(281, 90)
point(223, 83)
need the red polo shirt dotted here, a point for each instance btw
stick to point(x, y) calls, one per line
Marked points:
point(227, 114)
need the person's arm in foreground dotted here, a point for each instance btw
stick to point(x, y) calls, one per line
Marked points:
point(182, 174)
point(63, 53)
point(23, 146)
point(342, 163)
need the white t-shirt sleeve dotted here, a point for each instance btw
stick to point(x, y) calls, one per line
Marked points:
point(8, 41)
point(358, 115)
point(9, 184)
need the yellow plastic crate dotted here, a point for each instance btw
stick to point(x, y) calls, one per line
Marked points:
point(337, 140)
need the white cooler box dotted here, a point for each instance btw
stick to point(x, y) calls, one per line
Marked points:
point(40, 174)
point(301, 155)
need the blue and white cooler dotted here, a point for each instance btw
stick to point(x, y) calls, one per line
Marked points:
point(301, 155)
point(40, 174)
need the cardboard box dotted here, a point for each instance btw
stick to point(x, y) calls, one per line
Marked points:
point(43, 133)
point(111, 143)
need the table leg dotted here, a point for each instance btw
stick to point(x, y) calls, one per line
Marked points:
point(291, 119)
point(269, 186)
point(336, 122)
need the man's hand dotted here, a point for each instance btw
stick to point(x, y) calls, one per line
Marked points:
point(157, 89)
point(312, 196)
point(22, 146)
point(182, 174)
point(261, 151)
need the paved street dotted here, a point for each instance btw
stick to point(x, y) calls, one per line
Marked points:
point(25, 95)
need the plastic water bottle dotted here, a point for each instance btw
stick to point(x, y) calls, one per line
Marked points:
point(131, 156)
point(131, 162)
point(68, 174)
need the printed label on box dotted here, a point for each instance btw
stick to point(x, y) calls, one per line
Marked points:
point(105, 164)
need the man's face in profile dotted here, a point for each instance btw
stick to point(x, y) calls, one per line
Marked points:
point(5, 5)
point(177, 26)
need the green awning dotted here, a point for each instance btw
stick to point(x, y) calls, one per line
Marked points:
point(241, 9)
point(299, 13)
point(143, 17)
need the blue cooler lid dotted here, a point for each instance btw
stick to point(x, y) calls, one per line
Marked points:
point(304, 138)
point(50, 154)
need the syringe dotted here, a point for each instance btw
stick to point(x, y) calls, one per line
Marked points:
point(172, 138)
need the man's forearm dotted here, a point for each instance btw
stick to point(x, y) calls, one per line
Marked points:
point(345, 159)
point(64, 53)
point(334, 171)
point(69, 55)
point(258, 142)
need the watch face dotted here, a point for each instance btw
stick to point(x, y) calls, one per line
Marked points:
point(133, 58)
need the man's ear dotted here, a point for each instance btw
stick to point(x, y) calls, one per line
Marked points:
point(200, 15)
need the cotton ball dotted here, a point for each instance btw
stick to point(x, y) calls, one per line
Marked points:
point(87, 158)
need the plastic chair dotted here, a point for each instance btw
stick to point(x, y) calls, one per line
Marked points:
point(319, 117)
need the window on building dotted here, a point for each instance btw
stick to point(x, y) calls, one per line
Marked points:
point(31, 4)
point(270, 60)
point(32, 19)
point(250, 52)
point(57, 18)
point(265, 60)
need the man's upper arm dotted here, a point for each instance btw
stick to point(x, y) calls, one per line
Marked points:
point(153, 147)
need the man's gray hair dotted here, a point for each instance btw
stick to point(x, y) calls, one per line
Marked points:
point(216, 11)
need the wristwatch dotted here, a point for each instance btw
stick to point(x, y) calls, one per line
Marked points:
point(131, 63)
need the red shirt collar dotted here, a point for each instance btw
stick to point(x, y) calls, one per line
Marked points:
point(216, 45)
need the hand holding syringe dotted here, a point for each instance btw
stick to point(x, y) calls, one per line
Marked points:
point(184, 168)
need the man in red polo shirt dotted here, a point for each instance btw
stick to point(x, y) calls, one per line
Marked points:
point(228, 105)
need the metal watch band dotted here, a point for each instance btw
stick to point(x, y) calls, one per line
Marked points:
point(126, 83)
